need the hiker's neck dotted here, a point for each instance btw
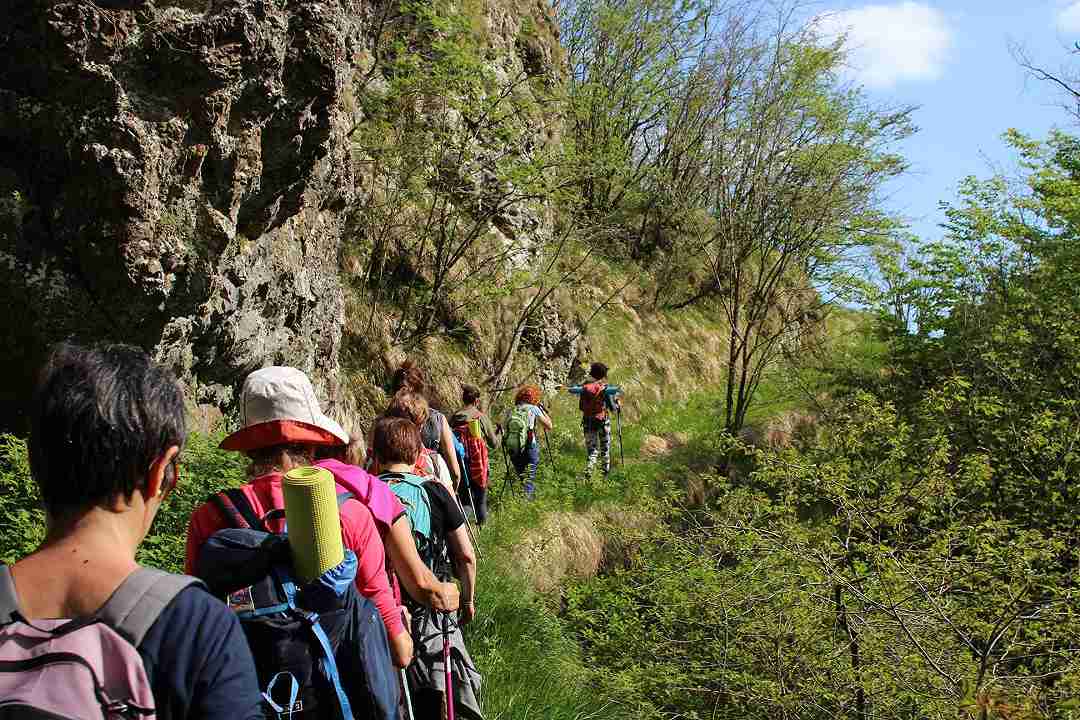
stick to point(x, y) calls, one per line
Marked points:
point(100, 535)
point(398, 468)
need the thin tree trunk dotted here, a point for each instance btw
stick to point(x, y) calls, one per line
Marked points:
point(853, 650)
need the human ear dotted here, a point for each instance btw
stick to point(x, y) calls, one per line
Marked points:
point(157, 480)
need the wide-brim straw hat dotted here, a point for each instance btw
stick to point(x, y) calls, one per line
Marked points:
point(278, 407)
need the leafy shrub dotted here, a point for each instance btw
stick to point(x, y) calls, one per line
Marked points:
point(204, 470)
point(21, 516)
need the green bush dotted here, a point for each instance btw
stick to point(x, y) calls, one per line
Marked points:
point(20, 510)
point(204, 470)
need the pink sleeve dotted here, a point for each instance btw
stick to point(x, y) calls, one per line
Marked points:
point(362, 538)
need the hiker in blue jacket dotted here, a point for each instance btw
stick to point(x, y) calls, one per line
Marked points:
point(597, 400)
point(107, 430)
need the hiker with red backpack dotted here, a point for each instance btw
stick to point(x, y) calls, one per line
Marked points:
point(477, 435)
point(84, 630)
point(597, 400)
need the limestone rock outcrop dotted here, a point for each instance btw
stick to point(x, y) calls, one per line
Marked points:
point(178, 174)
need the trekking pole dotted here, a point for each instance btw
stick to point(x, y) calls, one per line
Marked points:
point(618, 423)
point(446, 667)
point(547, 443)
point(408, 697)
point(473, 537)
point(506, 479)
point(551, 456)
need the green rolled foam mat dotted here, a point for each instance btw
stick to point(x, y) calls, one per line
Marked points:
point(311, 510)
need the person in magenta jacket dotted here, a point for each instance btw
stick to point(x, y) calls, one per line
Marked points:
point(404, 565)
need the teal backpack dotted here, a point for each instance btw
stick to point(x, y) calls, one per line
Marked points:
point(517, 430)
point(410, 491)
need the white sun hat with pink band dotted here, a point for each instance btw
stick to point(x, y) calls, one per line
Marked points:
point(278, 407)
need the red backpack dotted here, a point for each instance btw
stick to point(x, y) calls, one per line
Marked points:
point(476, 451)
point(591, 403)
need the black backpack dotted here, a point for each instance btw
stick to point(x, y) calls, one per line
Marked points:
point(318, 655)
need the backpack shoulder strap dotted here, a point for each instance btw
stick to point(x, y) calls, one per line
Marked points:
point(9, 601)
point(136, 604)
point(236, 508)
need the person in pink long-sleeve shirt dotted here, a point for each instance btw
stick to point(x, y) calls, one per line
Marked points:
point(282, 426)
point(358, 533)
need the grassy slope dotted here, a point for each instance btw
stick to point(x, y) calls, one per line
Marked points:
point(532, 667)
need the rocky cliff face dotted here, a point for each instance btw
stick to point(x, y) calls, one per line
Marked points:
point(179, 175)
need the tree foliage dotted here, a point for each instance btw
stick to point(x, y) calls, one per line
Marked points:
point(918, 558)
point(718, 146)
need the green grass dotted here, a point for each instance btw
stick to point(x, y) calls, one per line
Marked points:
point(532, 666)
point(531, 662)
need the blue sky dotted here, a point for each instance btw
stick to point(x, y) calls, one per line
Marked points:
point(952, 59)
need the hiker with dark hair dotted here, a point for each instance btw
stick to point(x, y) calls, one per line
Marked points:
point(597, 400)
point(282, 426)
point(107, 430)
point(477, 435)
point(403, 564)
point(435, 430)
point(520, 438)
point(441, 538)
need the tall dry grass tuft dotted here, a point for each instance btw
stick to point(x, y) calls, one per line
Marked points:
point(789, 428)
point(565, 544)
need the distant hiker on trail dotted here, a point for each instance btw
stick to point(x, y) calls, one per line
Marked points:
point(414, 406)
point(478, 435)
point(597, 400)
point(442, 540)
point(435, 431)
point(519, 436)
point(282, 427)
point(107, 430)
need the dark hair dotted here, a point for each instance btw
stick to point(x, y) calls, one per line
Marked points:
point(409, 376)
point(409, 405)
point(598, 371)
point(100, 417)
point(298, 454)
point(395, 440)
point(470, 394)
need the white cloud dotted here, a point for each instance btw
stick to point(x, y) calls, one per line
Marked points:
point(890, 44)
point(1068, 19)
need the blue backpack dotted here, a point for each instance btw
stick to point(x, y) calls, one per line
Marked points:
point(413, 495)
point(320, 649)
